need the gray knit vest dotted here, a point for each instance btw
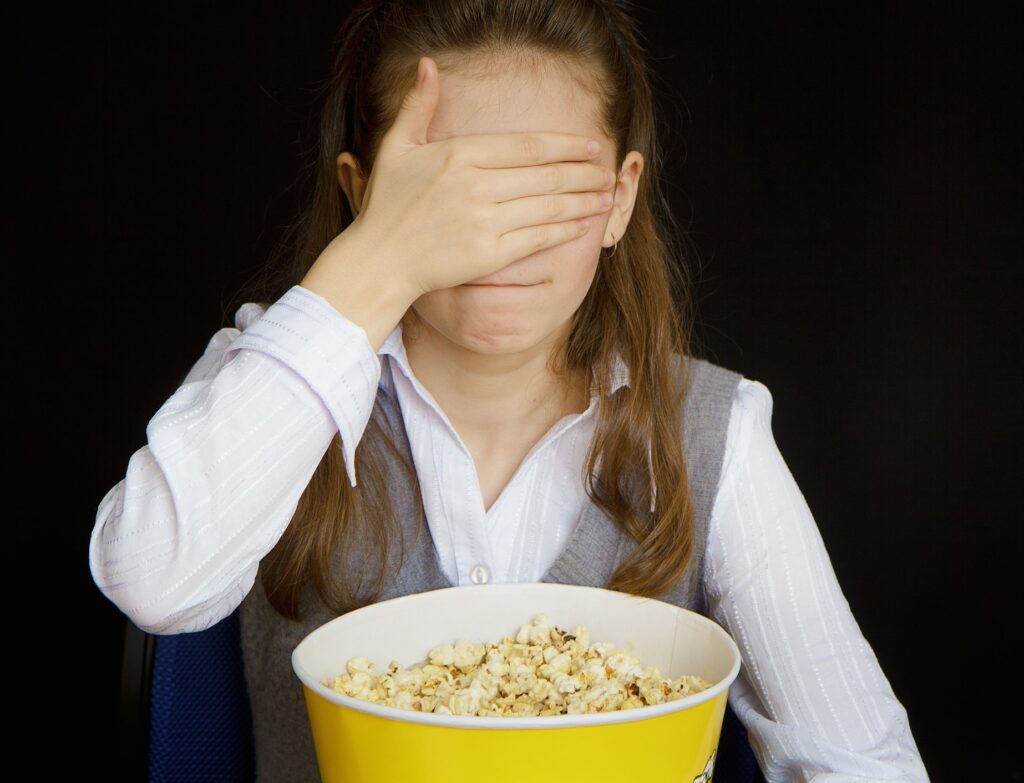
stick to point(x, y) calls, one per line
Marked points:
point(283, 741)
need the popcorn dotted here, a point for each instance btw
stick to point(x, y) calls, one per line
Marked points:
point(542, 670)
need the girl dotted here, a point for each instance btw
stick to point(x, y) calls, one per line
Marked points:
point(477, 368)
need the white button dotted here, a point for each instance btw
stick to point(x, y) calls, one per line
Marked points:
point(478, 574)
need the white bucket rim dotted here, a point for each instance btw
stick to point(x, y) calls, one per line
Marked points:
point(502, 723)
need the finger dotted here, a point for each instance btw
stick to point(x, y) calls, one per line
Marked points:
point(417, 109)
point(563, 177)
point(526, 241)
point(511, 150)
point(549, 208)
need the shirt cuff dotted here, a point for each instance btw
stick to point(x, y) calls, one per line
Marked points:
point(330, 352)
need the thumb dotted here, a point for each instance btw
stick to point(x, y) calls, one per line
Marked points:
point(418, 106)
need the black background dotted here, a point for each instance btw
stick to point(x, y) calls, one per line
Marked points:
point(850, 176)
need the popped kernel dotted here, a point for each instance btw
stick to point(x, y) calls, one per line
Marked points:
point(541, 670)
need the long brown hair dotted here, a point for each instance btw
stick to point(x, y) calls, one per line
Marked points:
point(639, 304)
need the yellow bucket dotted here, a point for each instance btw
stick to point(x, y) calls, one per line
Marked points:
point(361, 742)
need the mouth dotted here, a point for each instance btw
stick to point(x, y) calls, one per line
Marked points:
point(500, 285)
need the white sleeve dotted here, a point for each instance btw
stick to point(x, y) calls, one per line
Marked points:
point(177, 542)
point(814, 700)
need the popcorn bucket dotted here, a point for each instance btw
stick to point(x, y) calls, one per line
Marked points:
point(359, 741)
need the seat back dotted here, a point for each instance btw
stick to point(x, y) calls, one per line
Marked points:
point(200, 719)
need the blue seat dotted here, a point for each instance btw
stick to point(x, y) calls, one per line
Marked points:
point(193, 703)
point(185, 713)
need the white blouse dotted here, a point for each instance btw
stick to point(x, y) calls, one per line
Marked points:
point(177, 542)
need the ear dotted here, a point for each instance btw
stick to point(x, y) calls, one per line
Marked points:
point(351, 181)
point(623, 198)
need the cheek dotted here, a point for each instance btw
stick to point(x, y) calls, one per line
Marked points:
point(575, 262)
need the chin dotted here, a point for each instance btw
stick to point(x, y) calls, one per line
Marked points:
point(495, 339)
point(491, 333)
point(495, 324)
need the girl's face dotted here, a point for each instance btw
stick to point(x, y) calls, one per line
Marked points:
point(493, 320)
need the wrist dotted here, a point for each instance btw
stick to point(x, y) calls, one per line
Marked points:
point(360, 287)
